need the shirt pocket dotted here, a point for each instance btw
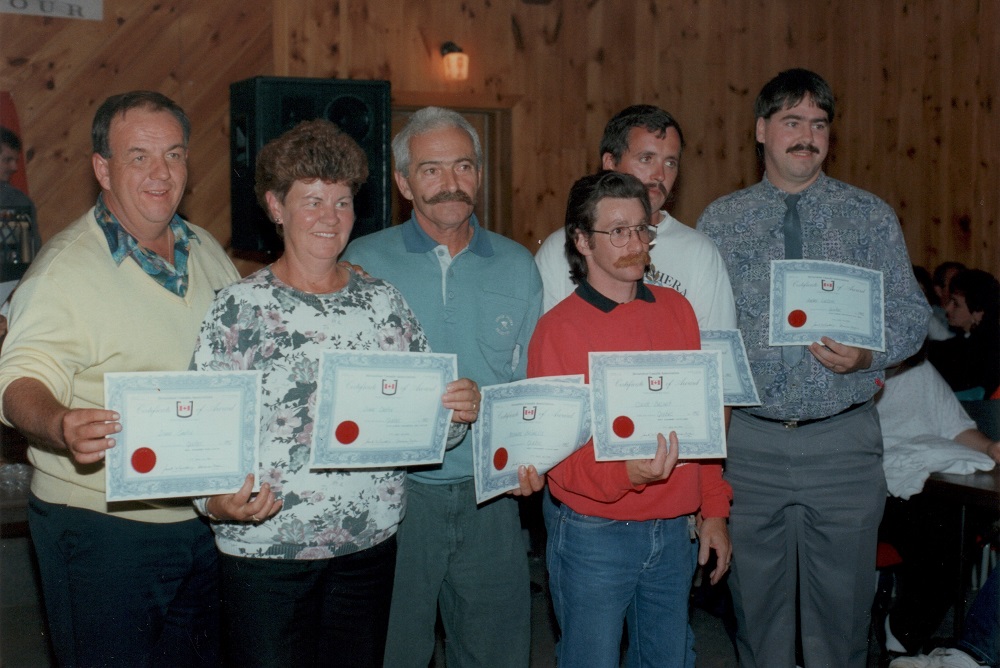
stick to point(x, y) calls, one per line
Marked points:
point(500, 320)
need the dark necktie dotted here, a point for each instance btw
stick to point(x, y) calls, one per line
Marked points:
point(792, 228)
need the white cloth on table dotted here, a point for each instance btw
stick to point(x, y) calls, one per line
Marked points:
point(908, 465)
point(920, 416)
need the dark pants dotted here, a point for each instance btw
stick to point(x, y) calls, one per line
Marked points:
point(924, 533)
point(331, 612)
point(804, 524)
point(125, 593)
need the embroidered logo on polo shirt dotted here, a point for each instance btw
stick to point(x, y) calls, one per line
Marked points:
point(505, 325)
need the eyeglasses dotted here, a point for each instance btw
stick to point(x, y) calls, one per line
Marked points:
point(621, 235)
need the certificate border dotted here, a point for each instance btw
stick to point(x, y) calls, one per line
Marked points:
point(781, 269)
point(489, 483)
point(710, 360)
point(117, 385)
point(746, 395)
point(323, 456)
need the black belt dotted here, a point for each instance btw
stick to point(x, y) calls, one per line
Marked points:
point(793, 424)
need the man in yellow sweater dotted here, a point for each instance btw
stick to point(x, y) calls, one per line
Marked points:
point(123, 288)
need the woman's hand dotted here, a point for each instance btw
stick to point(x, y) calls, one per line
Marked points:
point(240, 507)
point(463, 397)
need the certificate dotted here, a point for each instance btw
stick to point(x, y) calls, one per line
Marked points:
point(537, 422)
point(379, 409)
point(184, 433)
point(636, 395)
point(738, 388)
point(811, 299)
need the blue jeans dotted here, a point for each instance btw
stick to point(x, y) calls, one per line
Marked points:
point(125, 593)
point(981, 635)
point(605, 572)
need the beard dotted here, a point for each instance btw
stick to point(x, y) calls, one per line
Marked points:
point(632, 260)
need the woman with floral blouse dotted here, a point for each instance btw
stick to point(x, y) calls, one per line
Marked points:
point(308, 561)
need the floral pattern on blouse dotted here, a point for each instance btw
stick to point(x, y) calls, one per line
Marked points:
point(263, 324)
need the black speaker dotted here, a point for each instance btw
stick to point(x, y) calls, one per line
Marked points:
point(262, 108)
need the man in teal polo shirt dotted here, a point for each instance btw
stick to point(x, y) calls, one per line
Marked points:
point(476, 294)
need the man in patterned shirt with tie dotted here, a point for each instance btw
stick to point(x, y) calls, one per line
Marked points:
point(805, 465)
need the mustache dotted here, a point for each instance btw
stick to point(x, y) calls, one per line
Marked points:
point(451, 196)
point(658, 186)
point(803, 147)
point(641, 258)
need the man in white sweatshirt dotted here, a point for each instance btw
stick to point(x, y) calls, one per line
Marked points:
point(646, 142)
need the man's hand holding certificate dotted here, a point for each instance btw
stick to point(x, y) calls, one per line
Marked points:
point(638, 395)
point(811, 299)
point(185, 433)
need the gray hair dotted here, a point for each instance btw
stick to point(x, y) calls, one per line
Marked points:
point(426, 120)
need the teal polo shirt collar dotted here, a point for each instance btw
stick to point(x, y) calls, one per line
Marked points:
point(415, 240)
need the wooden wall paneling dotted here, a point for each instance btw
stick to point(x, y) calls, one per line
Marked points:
point(307, 39)
point(553, 63)
point(858, 87)
point(916, 119)
point(702, 101)
point(960, 51)
point(899, 134)
point(946, 192)
point(925, 43)
point(737, 80)
point(986, 196)
point(868, 139)
point(204, 78)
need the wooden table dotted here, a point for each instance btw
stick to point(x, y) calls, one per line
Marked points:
point(974, 490)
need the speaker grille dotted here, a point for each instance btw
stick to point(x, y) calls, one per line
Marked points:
point(262, 108)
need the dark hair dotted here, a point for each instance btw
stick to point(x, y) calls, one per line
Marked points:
point(646, 116)
point(982, 293)
point(926, 284)
point(581, 210)
point(117, 105)
point(312, 150)
point(943, 269)
point(788, 88)
point(9, 138)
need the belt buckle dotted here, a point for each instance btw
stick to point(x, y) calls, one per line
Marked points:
point(790, 424)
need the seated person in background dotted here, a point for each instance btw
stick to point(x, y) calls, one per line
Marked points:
point(970, 362)
point(923, 427)
point(942, 277)
point(937, 326)
point(11, 197)
point(980, 641)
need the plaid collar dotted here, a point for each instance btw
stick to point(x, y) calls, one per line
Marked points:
point(173, 277)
